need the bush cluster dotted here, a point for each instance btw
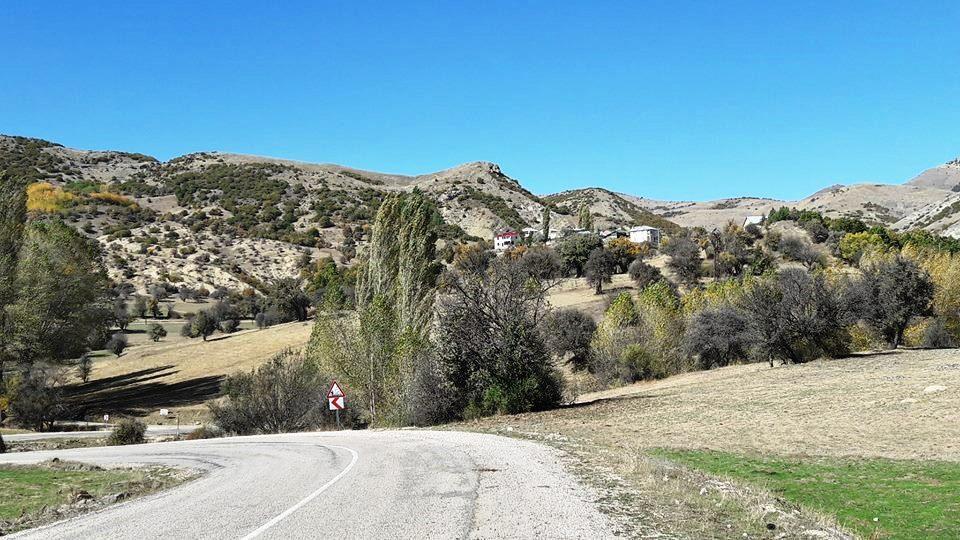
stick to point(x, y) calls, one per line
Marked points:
point(128, 431)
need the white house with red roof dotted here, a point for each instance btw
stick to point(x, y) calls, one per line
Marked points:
point(506, 240)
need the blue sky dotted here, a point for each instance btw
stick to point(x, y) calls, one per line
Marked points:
point(671, 99)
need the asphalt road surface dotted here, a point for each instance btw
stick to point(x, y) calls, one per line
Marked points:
point(354, 484)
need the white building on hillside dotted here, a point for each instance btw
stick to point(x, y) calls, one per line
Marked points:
point(647, 234)
point(753, 220)
point(612, 234)
point(505, 241)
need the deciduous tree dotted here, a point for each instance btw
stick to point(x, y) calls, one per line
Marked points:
point(893, 291)
point(684, 258)
point(575, 249)
point(62, 304)
point(599, 269)
point(13, 214)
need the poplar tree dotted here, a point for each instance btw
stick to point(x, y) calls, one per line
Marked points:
point(585, 218)
point(13, 215)
point(379, 348)
point(546, 223)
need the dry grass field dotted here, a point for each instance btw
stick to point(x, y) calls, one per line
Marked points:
point(902, 404)
point(577, 293)
point(219, 355)
point(867, 416)
point(180, 373)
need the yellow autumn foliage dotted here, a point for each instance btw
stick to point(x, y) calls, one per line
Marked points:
point(47, 198)
point(944, 270)
point(112, 198)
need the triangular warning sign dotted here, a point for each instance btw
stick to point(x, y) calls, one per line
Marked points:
point(335, 391)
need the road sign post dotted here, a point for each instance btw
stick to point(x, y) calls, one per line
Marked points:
point(336, 400)
point(166, 413)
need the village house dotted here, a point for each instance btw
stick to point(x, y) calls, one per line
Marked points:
point(753, 220)
point(506, 240)
point(612, 234)
point(644, 233)
point(531, 234)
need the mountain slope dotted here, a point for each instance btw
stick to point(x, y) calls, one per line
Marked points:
point(884, 204)
point(708, 214)
point(220, 219)
point(946, 176)
point(609, 209)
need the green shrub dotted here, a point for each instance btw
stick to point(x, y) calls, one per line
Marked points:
point(156, 332)
point(128, 431)
point(285, 394)
point(936, 336)
point(642, 364)
point(204, 432)
point(229, 326)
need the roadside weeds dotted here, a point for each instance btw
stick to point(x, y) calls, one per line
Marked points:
point(650, 497)
point(34, 495)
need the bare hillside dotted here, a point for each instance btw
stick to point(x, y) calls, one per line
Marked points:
point(609, 209)
point(220, 219)
point(874, 203)
point(709, 214)
point(946, 176)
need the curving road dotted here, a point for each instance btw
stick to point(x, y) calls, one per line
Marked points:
point(352, 484)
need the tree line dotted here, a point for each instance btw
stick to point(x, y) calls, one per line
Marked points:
point(481, 338)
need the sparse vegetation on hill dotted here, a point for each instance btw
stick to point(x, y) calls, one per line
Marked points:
point(424, 326)
point(612, 209)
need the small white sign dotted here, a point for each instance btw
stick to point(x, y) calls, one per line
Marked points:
point(106, 418)
point(164, 412)
point(336, 399)
point(336, 403)
point(335, 390)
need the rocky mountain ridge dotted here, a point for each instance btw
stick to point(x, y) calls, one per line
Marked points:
point(222, 219)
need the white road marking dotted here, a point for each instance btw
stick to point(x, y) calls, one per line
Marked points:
point(286, 513)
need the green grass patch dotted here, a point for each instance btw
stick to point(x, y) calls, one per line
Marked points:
point(26, 490)
point(877, 498)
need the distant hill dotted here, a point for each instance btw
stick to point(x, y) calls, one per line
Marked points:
point(946, 176)
point(608, 208)
point(220, 219)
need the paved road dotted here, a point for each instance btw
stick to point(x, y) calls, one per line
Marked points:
point(152, 431)
point(363, 484)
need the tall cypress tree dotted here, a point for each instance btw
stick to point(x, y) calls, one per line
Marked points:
point(546, 223)
point(377, 351)
point(400, 264)
point(585, 218)
point(13, 215)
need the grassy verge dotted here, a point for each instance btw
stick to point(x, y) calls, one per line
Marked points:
point(53, 444)
point(648, 496)
point(878, 498)
point(35, 494)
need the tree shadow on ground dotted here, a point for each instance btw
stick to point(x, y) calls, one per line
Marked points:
point(595, 401)
point(617, 290)
point(138, 393)
point(872, 354)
